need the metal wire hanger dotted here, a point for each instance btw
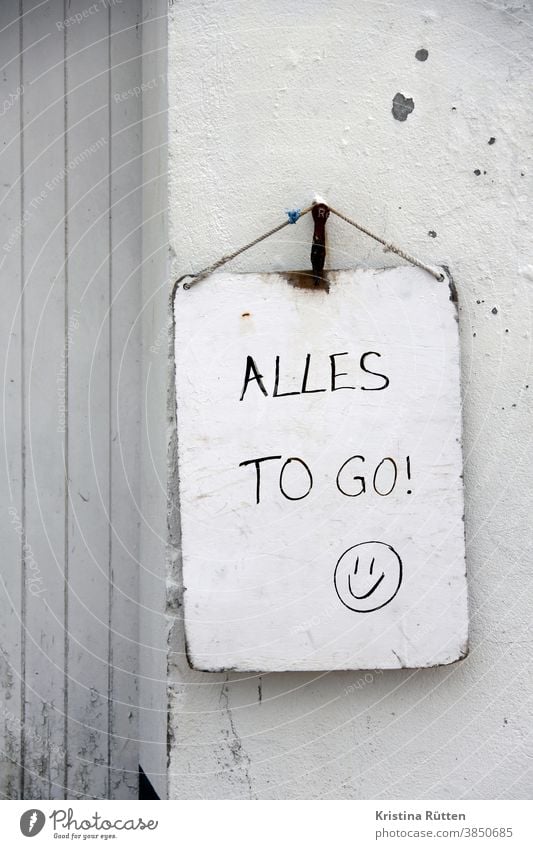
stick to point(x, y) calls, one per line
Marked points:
point(320, 212)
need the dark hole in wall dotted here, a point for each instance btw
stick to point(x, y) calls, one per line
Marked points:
point(146, 789)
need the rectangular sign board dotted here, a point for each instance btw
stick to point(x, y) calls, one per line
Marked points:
point(320, 471)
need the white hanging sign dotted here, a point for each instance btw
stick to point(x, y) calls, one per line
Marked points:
point(320, 469)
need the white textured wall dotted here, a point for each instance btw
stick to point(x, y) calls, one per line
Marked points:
point(270, 102)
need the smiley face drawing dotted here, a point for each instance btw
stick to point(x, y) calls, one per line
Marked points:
point(368, 576)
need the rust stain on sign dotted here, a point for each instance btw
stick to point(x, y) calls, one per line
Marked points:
point(306, 280)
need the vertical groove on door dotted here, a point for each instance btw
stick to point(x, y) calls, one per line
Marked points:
point(125, 388)
point(46, 414)
point(110, 403)
point(66, 448)
point(89, 363)
point(22, 418)
point(11, 494)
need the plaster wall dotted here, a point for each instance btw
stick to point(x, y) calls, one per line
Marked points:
point(268, 104)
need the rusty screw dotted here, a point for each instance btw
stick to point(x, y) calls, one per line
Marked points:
point(320, 214)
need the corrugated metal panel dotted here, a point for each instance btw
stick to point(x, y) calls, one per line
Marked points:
point(70, 266)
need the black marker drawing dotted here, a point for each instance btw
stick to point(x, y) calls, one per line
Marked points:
point(368, 576)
